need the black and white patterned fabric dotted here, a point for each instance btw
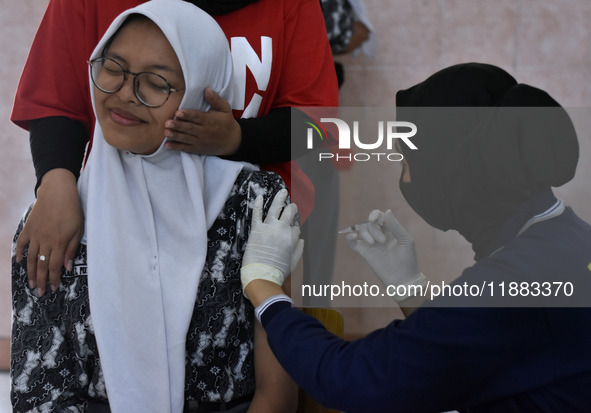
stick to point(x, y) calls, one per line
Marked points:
point(338, 17)
point(55, 364)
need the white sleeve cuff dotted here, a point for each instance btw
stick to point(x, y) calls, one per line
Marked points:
point(258, 312)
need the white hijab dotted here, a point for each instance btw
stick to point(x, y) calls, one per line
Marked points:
point(146, 227)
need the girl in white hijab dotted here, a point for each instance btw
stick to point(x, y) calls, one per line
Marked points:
point(165, 233)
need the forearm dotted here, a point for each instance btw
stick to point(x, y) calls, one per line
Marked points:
point(57, 143)
point(266, 139)
point(269, 139)
point(326, 366)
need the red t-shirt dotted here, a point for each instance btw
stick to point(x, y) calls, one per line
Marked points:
point(280, 50)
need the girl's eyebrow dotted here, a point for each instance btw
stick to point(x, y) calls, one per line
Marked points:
point(150, 67)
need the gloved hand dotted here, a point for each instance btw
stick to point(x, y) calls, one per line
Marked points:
point(274, 248)
point(388, 249)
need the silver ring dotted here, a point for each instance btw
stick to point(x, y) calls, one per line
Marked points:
point(42, 257)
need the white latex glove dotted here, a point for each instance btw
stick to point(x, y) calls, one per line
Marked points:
point(388, 249)
point(274, 247)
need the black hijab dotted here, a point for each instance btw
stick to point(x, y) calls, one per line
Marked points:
point(215, 7)
point(486, 145)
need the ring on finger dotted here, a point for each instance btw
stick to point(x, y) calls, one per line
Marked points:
point(43, 257)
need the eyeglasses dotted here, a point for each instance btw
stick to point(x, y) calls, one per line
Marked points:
point(109, 76)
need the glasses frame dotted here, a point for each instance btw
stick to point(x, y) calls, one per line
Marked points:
point(136, 81)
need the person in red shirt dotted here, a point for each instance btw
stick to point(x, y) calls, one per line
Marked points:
point(282, 59)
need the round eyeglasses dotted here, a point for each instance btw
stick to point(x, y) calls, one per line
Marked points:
point(109, 76)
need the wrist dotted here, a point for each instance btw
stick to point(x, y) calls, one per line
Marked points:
point(250, 272)
point(57, 178)
point(258, 291)
point(235, 139)
point(412, 287)
point(270, 306)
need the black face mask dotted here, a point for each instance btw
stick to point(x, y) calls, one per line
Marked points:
point(217, 7)
point(458, 180)
point(426, 205)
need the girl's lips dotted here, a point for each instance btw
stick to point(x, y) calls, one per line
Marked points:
point(124, 119)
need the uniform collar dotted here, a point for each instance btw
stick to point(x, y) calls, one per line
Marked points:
point(542, 206)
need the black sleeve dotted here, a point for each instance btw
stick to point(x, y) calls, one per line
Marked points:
point(57, 142)
point(268, 139)
point(265, 140)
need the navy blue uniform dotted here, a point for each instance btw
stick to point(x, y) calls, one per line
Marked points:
point(491, 358)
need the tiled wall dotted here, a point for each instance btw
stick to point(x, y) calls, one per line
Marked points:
point(546, 43)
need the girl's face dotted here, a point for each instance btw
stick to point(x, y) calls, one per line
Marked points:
point(127, 124)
